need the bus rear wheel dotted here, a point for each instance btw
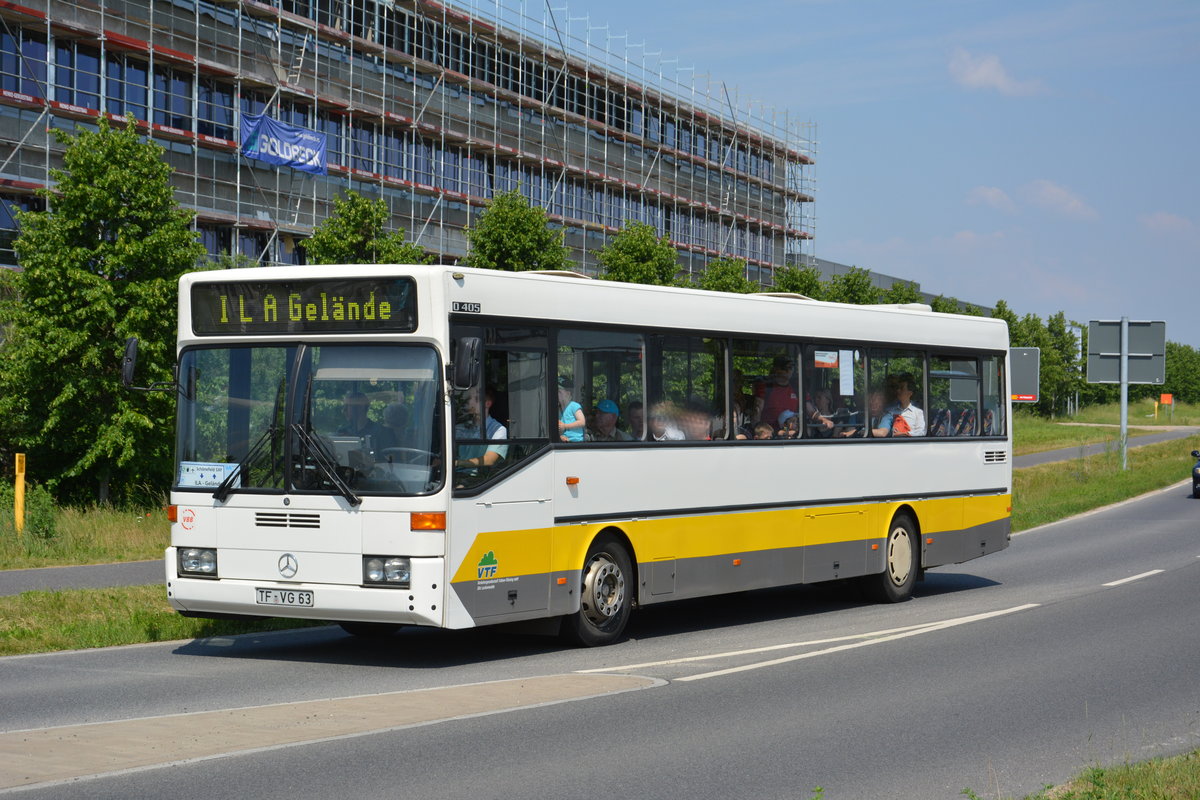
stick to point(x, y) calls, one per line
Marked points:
point(606, 595)
point(902, 557)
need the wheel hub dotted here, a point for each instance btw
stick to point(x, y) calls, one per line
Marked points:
point(900, 550)
point(603, 590)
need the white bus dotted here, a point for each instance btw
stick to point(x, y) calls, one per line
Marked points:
point(428, 445)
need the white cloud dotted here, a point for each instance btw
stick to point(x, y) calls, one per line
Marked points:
point(991, 197)
point(1166, 222)
point(1049, 195)
point(986, 72)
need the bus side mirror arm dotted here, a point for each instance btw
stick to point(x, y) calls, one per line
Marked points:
point(465, 367)
point(129, 364)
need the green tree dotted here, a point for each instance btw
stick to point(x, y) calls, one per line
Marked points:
point(354, 234)
point(637, 255)
point(1002, 311)
point(726, 275)
point(903, 292)
point(512, 235)
point(799, 280)
point(946, 305)
point(100, 265)
point(854, 286)
point(1183, 373)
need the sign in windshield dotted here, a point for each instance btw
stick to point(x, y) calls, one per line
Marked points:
point(358, 305)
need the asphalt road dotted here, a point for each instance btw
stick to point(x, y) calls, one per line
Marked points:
point(1077, 645)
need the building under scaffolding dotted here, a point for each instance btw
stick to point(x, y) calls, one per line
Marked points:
point(430, 106)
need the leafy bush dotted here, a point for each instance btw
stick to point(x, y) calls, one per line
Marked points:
point(41, 512)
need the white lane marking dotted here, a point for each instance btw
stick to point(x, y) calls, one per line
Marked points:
point(1132, 578)
point(752, 650)
point(937, 626)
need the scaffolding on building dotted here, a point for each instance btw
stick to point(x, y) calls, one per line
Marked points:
point(431, 106)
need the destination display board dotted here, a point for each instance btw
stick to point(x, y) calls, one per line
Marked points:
point(353, 305)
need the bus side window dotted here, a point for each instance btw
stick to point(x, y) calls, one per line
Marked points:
point(834, 382)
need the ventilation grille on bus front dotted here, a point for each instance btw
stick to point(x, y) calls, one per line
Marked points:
point(284, 519)
point(995, 456)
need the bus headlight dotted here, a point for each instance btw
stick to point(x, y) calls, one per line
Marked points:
point(387, 571)
point(197, 562)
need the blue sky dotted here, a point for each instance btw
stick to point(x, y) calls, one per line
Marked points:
point(1045, 153)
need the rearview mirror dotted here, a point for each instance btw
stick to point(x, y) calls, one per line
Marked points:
point(129, 363)
point(466, 362)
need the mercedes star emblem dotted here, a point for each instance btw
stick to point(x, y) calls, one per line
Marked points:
point(288, 565)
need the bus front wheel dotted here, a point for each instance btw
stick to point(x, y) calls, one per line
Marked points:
point(606, 595)
point(902, 558)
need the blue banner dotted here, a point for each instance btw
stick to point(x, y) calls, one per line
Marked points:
point(279, 143)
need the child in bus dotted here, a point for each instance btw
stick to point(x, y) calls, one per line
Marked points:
point(571, 422)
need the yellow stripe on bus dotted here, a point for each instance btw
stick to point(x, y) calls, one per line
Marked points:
point(535, 551)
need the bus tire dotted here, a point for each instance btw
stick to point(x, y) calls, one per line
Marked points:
point(605, 596)
point(902, 563)
point(370, 630)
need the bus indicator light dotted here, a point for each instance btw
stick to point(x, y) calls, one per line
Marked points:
point(428, 521)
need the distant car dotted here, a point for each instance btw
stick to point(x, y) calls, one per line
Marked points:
point(1196, 475)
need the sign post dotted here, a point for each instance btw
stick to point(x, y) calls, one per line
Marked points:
point(1024, 367)
point(1124, 352)
point(19, 495)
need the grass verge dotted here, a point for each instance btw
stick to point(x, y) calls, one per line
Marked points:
point(87, 536)
point(1175, 778)
point(39, 622)
point(1141, 412)
point(1054, 491)
point(1036, 435)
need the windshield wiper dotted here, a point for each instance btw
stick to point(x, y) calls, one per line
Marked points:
point(321, 458)
point(226, 486)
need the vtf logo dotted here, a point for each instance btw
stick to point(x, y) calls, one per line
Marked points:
point(488, 565)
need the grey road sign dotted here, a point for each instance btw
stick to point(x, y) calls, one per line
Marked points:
point(1025, 365)
point(1147, 351)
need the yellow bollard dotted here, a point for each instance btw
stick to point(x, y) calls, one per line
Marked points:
point(19, 495)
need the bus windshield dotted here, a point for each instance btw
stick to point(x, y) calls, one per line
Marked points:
point(331, 419)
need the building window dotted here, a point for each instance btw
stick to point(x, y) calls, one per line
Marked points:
point(23, 62)
point(9, 206)
point(77, 75)
point(216, 109)
point(127, 90)
point(172, 98)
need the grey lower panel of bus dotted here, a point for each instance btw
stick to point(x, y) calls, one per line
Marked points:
point(955, 547)
point(531, 596)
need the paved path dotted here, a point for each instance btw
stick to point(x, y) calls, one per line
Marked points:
point(94, 576)
point(1079, 451)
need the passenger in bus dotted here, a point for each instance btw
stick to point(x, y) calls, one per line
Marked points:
point(820, 414)
point(664, 423)
point(475, 454)
point(637, 420)
point(777, 393)
point(743, 416)
point(789, 425)
point(879, 418)
point(571, 422)
point(908, 419)
point(605, 429)
point(763, 430)
point(696, 422)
